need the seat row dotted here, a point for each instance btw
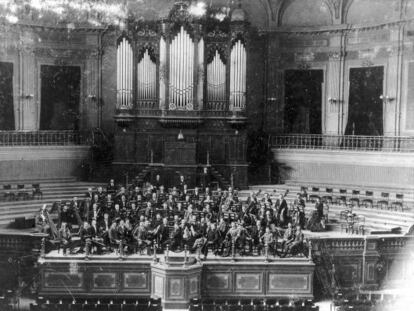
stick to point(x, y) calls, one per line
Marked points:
point(357, 198)
point(20, 192)
point(93, 307)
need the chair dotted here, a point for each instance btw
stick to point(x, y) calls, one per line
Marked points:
point(77, 307)
point(314, 195)
point(354, 200)
point(384, 202)
point(21, 192)
point(114, 307)
point(368, 201)
point(342, 198)
point(129, 307)
point(359, 225)
point(209, 307)
point(8, 194)
point(328, 198)
point(195, 307)
point(88, 307)
point(101, 307)
point(36, 192)
point(399, 202)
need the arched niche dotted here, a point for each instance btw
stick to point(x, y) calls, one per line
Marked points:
point(372, 11)
point(409, 13)
point(305, 13)
point(257, 12)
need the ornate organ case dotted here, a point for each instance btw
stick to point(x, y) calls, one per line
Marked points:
point(181, 83)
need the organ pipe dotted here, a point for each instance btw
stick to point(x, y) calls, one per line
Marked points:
point(162, 78)
point(238, 76)
point(146, 82)
point(216, 79)
point(181, 71)
point(124, 74)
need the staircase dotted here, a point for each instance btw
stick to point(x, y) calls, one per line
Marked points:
point(224, 184)
point(53, 190)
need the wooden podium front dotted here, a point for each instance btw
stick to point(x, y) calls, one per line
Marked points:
point(180, 153)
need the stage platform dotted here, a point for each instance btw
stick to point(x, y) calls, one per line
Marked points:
point(175, 279)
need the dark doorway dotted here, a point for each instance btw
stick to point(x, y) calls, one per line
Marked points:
point(303, 101)
point(60, 97)
point(6, 97)
point(365, 106)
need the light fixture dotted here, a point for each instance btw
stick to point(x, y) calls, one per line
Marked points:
point(198, 9)
point(386, 99)
point(333, 100)
point(180, 135)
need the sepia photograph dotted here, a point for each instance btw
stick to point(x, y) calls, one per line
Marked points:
point(206, 155)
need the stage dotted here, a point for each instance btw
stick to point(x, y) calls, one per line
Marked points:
point(175, 279)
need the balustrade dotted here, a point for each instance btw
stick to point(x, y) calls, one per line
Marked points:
point(43, 138)
point(344, 142)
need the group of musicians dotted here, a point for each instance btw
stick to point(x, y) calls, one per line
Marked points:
point(139, 218)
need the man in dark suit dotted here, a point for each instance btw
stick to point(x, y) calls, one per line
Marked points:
point(282, 212)
point(181, 183)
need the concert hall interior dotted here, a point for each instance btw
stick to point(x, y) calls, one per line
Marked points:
point(206, 155)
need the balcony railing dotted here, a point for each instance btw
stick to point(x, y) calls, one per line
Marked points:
point(44, 138)
point(346, 142)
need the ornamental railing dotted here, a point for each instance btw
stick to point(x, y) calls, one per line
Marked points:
point(345, 142)
point(44, 138)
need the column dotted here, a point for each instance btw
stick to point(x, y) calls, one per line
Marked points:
point(334, 102)
point(29, 100)
point(392, 86)
point(91, 108)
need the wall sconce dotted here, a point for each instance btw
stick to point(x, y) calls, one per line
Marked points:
point(272, 99)
point(333, 100)
point(386, 99)
point(180, 135)
point(92, 97)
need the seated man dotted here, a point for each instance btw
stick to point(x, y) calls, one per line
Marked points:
point(268, 239)
point(296, 245)
point(140, 234)
point(212, 240)
point(288, 236)
point(96, 239)
point(65, 237)
point(85, 235)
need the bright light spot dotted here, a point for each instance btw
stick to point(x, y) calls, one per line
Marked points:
point(220, 16)
point(12, 19)
point(198, 9)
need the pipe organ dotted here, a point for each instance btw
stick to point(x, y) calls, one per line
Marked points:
point(238, 76)
point(182, 64)
point(181, 71)
point(216, 79)
point(124, 74)
point(146, 78)
point(181, 82)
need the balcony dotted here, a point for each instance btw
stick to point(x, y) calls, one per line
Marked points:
point(44, 138)
point(345, 142)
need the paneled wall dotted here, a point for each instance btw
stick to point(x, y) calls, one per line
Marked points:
point(30, 48)
point(377, 169)
point(41, 162)
point(336, 36)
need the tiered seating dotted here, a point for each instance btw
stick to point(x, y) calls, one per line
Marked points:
point(371, 211)
point(142, 304)
point(252, 305)
point(52, 190)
